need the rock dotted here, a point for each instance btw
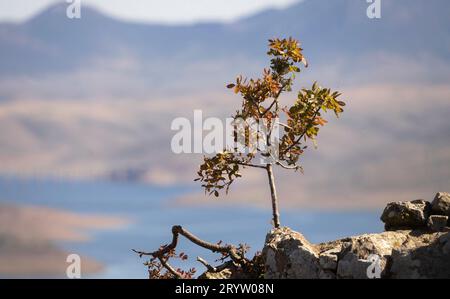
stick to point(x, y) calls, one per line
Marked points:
point(445, 241)
point(404, 266)
point(390, 254)
point(287, 254)
point(328, 259)
point(437, 223)
point(405, 215)
point(441, 204)
point(352, 267)
point(224, 274)
point(327, 274)
point(422, 256)
point(356, 259)
point(227, 270)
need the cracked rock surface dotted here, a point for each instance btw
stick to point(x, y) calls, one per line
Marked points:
point(402, 254)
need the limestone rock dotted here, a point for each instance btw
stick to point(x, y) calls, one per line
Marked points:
point(437, 223)
point(390, 254)
point(287, 254)
point(327, 274)
point(224, 274)
point(441, 204)
point(445, 242)
point(328, 259)
point(423, 256)
point(352, 267)
point(227, 270)
point(356, 258)
point(405, 215)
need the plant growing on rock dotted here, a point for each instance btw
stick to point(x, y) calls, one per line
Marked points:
point(261, 103)
point(301, 123)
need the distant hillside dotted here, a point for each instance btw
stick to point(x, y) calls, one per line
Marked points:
point(330, 30)
point(95, 97)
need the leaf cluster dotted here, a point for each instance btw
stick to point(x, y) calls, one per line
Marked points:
point(261, 102)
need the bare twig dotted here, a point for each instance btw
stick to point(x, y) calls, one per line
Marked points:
point(270, 107)
point(206, 264)
point(141, 253)
point(284, 125)
point(251, 165)
point(170, 268)
point(289, 167)
point(227, 250)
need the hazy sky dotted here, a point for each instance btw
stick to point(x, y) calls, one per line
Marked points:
point(167, 11)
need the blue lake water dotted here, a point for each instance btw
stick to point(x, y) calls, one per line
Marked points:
point(151, 213)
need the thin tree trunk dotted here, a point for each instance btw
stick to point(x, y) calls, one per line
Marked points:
point(273, 193)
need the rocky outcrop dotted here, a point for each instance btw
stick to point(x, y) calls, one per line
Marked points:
point(415, 245)
point(441, 204)
point(391, 254)
point(418, 214)
point(228, 270)
point(437, 223)
point(288, 254)
point(408, 214)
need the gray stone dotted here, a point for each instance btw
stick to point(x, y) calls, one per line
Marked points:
point(445, 242)
point(228, 270)
point(422, 256)
point(437, 223)
point(356, 258)
point(441, 204)
point(404, 266)
point(352, 267)
point(327, 274)
point(328, 259)
point(226, 273)
point(405, 215)
point(400, 254)
point(287, 254)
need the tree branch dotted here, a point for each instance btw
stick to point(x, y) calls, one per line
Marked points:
point(284, 125)
point(304, 132)
point(273, 193)
point(275, 100)
point(170, 268)
point(278, 162)
point(295, 167)
point(251, 165)
point(206, 264)
point(177, 230)
point(270, 107)
point(256, 106)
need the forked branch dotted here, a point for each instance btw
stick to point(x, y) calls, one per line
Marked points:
point(163, 254)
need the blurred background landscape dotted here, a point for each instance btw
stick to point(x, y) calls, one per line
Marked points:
point(86, 106)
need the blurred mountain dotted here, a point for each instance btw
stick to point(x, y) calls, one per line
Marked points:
point(330, 30)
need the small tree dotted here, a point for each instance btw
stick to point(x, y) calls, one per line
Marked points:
point(260, 102)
